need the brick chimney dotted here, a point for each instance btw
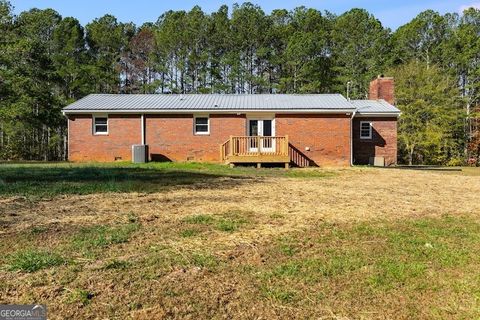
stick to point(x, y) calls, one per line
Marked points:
point(382, 88)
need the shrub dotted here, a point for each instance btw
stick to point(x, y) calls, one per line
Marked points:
point(456, 162)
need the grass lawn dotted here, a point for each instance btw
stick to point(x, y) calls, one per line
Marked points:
point(204, 241)
point(40, 180)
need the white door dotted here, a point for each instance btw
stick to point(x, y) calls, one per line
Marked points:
point(262, 128)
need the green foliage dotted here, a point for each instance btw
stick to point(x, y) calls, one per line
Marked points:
point(106, 39)
point(306, 56)
point(456, 162)
point(70, 59)
point(431, 125)
point(360, 51)
point(421, 39)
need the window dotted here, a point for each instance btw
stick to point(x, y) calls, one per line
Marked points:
point(365, 130)
point(202, 125)
point(100, 125)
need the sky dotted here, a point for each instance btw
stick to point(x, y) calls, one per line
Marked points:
point(392, 13)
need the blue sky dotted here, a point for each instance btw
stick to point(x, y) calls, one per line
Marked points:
point(392, 13)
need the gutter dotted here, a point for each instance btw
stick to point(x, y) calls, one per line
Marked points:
point(379, 114)
point(192, 111)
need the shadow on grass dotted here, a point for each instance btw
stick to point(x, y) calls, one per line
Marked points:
point(46, 181)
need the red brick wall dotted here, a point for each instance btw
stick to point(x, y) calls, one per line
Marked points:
point(171, 137)
point(382, 144)
point(327, 136)
point(123, 131)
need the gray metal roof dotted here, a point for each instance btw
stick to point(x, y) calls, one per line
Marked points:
point(209, 102)
point(374, 106)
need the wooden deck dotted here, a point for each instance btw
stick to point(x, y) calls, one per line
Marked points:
point(255, 149)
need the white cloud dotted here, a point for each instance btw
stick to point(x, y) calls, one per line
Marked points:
point(475, 5)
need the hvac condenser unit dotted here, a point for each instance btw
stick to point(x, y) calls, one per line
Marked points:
point(139, 153)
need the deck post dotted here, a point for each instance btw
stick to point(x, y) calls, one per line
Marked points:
point(286, 144)
point(231, 145)
point(287, 165)
point(259, 152)
point(259, 165)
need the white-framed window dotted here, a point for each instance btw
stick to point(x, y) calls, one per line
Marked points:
point(201, 125)
point(100, 124)
point(365, 130)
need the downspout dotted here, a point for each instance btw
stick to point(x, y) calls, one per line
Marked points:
point(142, 127)
point(351, 137)
point(351, 124)
point(67, 152)
point(67, 144)
point(352, 134)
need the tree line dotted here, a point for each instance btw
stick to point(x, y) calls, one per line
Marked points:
point(48, 61)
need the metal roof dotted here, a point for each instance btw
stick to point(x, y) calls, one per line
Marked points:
point(209, 102)
point(374, 106)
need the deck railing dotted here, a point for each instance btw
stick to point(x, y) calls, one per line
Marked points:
point(254, 146)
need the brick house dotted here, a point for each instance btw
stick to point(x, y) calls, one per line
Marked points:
point(311, 129)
